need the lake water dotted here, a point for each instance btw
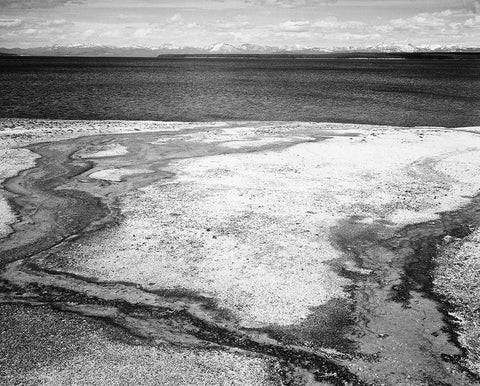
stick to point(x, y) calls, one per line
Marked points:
point(434, 92)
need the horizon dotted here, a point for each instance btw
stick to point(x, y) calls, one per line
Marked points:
point(245, 50)
point(253, 45)
point(307, 23)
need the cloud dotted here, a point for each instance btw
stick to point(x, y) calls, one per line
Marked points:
point(18, 24)
point(177, 18)
point(9, 23)
point(287, 3)
point(294, 26)
point(88, 33)
point(446, 22)
point(474, 22)
point(31, 4)
point(326, 25)
point(143, 32)
point(111, 33)
point(363, 3)
point(222, 25)
point(348, 37)
point(53, 23)
point(422, 22)
point(270, 22)
point(332, 23)
point(123, 17)
point(476, 6)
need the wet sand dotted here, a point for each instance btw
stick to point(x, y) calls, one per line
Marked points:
point(308, 249)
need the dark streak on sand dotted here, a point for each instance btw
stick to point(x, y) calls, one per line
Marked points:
point(51, 216)
point(48, 216)
point(423, 245)
point(415, 248)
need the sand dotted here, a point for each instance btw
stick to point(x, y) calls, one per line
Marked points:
point(249, 215)
point(69, 350)
point(457, 280)
point(116, 175)
point(15, 133)
point(107, 150)
point(251, 230)
point(12, 161)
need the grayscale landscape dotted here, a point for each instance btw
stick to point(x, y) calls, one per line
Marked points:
point(297, 204)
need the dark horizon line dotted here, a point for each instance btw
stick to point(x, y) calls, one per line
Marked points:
point(344, 54)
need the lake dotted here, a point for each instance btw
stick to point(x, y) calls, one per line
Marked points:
point(404, 92)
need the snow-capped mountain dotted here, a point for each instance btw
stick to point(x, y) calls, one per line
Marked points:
point(225, 48)
point(383, 47)
point(222, 48)
point(407, 48)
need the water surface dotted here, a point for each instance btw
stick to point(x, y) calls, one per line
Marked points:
point(409, 92)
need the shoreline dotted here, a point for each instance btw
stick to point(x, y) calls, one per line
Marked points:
point(219, 123)
point(359, 245)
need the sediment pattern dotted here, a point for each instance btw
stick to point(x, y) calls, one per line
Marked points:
point(186, 236)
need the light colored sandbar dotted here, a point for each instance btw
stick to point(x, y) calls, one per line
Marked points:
point(252, 230)
point(116, 175)
point(108, 150)
point(16, 133)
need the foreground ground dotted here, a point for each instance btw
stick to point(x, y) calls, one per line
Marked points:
point(238, 253)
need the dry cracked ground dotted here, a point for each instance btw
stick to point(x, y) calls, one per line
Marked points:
point(238, 253)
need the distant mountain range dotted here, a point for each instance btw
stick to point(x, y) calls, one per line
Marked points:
point(222, 49)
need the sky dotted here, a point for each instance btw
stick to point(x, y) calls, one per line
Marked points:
point(307, 23)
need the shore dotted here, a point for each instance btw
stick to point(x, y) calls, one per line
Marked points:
point(296, 252)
